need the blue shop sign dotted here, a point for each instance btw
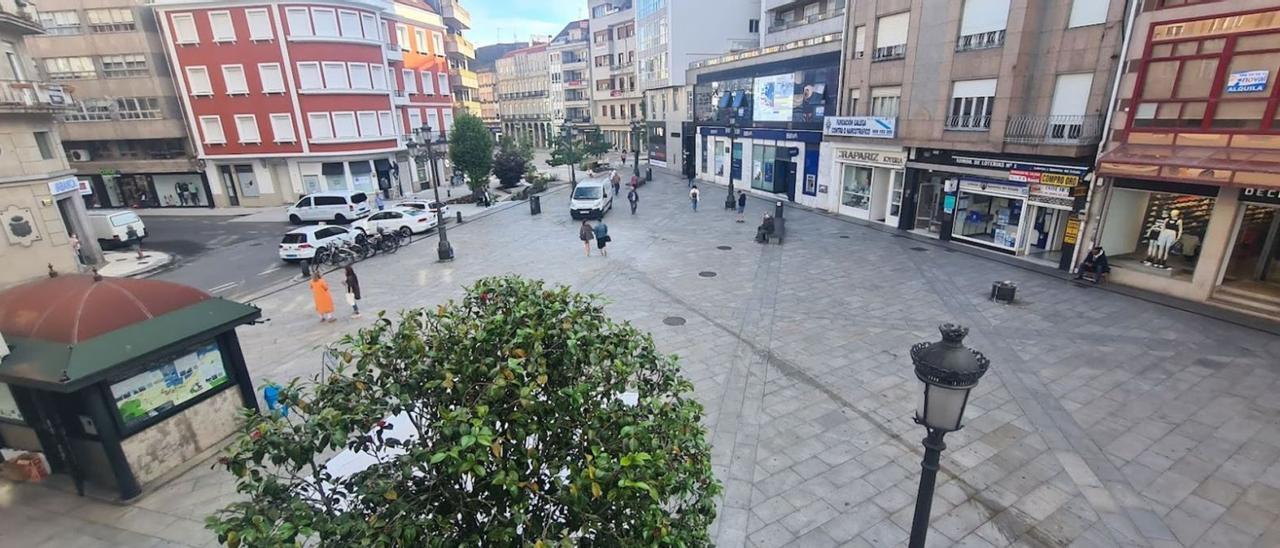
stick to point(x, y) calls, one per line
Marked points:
point(1247, 81)
point(67, 184)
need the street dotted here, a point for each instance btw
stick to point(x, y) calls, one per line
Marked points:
point(221, 255)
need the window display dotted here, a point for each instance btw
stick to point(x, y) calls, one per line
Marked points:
point(152, 392)
point(856, 187)
point(987, 218)
point(1161, 231)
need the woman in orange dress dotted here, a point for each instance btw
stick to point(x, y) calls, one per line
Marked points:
point(320, 293)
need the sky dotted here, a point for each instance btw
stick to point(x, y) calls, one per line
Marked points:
point(521, 17)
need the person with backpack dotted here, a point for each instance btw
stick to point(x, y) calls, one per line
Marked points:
point(602, 237)
point(633, 198)
point(586, 234)
point(693, 197)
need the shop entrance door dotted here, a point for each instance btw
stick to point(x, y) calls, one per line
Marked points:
point(229, 185)
point(1254, 265)
point(1044, 233)
point(897, 186)
point(929, 208)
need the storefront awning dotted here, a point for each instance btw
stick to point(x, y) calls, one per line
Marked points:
point(1217, 166)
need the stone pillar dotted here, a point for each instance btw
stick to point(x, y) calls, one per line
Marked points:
point(1213, 250)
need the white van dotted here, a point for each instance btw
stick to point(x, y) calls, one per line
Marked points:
point(591, 199)
point(338, 207)
point(111, 226)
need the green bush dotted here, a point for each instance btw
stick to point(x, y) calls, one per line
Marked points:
point(524, 436)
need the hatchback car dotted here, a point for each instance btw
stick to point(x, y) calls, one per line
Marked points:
point(339, 207)
point(403, 220)
point(427, 205)
point(301, 243)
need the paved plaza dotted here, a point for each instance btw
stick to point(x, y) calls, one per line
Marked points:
point(1105, 420)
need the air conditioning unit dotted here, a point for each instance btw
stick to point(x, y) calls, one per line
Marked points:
point(78, 155)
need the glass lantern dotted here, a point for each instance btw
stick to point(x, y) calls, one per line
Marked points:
point(947, 371)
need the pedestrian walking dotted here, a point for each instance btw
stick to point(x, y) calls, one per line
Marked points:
point(616, 181)
point(586, 234)
point(320, 294)
point(693, 197)
point(75, 248)
point(377, 200)
point(602, 237)
point(132, 236)
point(353, 290)
point(691, 178)
point(635, 181)
point(634, 198)
point(742, 206)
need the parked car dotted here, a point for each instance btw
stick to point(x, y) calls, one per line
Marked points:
point(339, 207)
point(591, 199)
point(427, 205)
point(301, 243)
point(406, 221)
point(111, 226)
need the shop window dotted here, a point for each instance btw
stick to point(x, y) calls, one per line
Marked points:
point(335, 175)
point(988, 218)
point(855, 189)
point(1162, 230)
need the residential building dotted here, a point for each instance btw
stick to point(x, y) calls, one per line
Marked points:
point(488, 96)
point(569, 76)
point(1188, 199)
point(615, 99)
point(40, 204)
point(461, 54)
point(758, 113)
point(128, 137)
point(286, 99)
point(790, 20)
point(976, 124)
point(669, 36)
point(524, 95)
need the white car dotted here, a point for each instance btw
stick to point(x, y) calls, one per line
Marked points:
point(301, 243)
point(590, 199)
point(406, 221)
point(338, 207)
point(427, 205)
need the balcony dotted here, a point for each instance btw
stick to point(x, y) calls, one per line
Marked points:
point(889, 53)
point(463, 78)
point(472, 107)
point(393, 52)
point(455, 15)
point(967, 122)
point(458, 47)
point(399, 98)
point(780, 25)
point(622, 67)
point(981, 40)
point(575, 84)
point(1032, 129)
point(19, 19)
point(28, 96)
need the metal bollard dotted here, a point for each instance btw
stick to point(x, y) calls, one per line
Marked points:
point(535, 205)
point(459, 217)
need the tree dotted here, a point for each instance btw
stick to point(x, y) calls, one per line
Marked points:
point(510, 164)
point(595, 144)
point(535, 420)
point(471, 150)
point(568, 151)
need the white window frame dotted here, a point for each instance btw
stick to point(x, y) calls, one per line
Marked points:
point(410, 81)
point(1087, 12)
point(220, 139)
point(428, 82)
point(437, 42)
point(386, 124)
point(362, 70)
point(367, 123)
point(977, 97)
point(415, 120)
point(346, 31)
point(243, 87)
point(443, 86)
point(446, 118)
point(265, 76)
point(302, 79)
point(342, 118)
point(282, 133)
point(228, 34)
point(369, 26)
point(420, 41)
point(316, 14)
point(402, 36)
point(859, 41)
point(378, 74)
point(320, 120)
point(296, 17)
point(982, 16)
point(254, 139)
point(259, 32)
point(196, 75)
point(881, 97)
point(336, 68)
point(184, 29)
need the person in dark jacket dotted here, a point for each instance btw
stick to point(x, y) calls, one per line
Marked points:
point(586, 234)
point(602, 237)
point(765, 230)
point(634, 198)
point(742, 206)
point(1095, 265)
point(353, 290)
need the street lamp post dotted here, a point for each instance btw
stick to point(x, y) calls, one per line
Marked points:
point(947, 371)
point(426, 150)
point(636, 128)
point(733, 134)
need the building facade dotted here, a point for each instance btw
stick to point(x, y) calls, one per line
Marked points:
point(524, 95)
point(569, 76)
point(669, 36)
point(127, 136)
point(1188, 203)
point(977, 123)
point(461, 54)
point(488, 96)
point(615, 99)
point(40, 197)
point(286, 99)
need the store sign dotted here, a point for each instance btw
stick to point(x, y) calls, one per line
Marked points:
point(890, 159)
point(1072, 233)
point(987, 187)
point(68, 184)
point(1260, 195)
point(1023, 176)
point(876, 127)
point(1022, 167)
point(1051, 191)
point(1247, 81)
point(86, 188)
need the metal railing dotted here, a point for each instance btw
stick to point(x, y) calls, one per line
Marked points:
point(26, 95)
point(981, 40)
point(776, 48)
point(967, 122)
point(779, 25)
point(1054, 130)
point(889, 53)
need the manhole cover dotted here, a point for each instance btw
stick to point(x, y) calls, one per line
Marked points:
point(724, 247)
point(673, 320)
point(845, 236)
point(919, 249)
point(707, 274)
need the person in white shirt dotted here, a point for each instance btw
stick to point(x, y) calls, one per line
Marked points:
point(693, 197)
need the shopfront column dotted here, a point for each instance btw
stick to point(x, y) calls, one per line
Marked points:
point(1215, 248)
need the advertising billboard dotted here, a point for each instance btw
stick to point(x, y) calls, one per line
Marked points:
point(169, 384)
point(774, 97)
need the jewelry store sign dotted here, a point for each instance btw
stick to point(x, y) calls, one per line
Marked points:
point(875, 127)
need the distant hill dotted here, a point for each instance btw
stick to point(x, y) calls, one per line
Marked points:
point(487, 55)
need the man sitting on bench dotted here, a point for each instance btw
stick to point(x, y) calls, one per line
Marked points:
point(765, 230)
point(1094, 266)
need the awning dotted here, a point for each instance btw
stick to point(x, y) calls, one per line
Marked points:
point(1212, 165)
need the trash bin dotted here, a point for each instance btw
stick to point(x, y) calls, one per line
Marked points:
point(535, 205)
point(459, 217)
point(648, 174)
point(1003, 292)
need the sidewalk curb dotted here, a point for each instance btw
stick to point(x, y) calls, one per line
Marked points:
point(149, 270)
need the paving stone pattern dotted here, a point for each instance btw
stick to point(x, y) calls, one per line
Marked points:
point(1105, 420)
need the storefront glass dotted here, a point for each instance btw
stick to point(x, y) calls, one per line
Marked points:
point(763, 176)
point(855, 187)
point(362, 175)
point(180, 190)
point(895, 193)
point(719, 160)
point(988, 218)
point(335, 176)
point(1254, 264)
point(1159, 232)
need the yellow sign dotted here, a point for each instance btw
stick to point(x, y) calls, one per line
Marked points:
point(1057, 179)
point(1072, 234)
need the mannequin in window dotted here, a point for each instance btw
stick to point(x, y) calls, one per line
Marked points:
point(1163, 233)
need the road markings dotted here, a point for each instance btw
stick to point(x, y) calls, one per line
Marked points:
point(223, 287)
point(269, 270)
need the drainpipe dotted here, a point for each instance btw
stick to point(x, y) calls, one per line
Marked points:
point(1097, 185)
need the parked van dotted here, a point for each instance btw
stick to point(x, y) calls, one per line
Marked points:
point(591, 199)
point(339, 207)
point(111, 226)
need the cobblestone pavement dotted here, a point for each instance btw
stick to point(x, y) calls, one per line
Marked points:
point(1105, 421)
